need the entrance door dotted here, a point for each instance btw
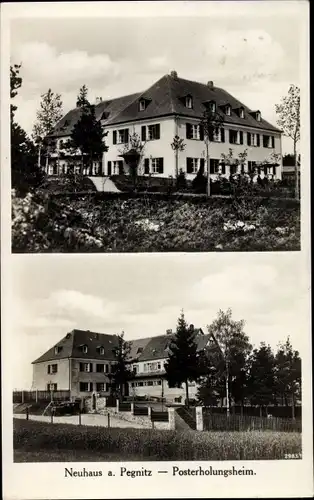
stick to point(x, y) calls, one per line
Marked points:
point(109, 169)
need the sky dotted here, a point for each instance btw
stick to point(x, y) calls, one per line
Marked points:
point(143, 295)
point(253, 57)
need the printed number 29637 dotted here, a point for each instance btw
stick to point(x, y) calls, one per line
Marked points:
point(293, 455)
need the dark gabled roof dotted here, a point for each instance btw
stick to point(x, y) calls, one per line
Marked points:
point(156, 348)
point(137, 347)
point(71, 346)
point(164, 98)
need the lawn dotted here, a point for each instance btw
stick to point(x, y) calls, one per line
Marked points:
point(146, 223)
point(39, 441)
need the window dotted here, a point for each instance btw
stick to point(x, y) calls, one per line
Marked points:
point(120, 136)
point(188, 102)
point(258, 116)
point(52, 368)
point(101, 350)
point(135, 368)
point(158, 382)
point(268, 141)
point(86, 386)
point(241, 113)
point(157, 165)
point(58, 349)
point(235, 136)
point(84, 349)
point(107, 368)
point(228, 110)
point(218, 135)
point(212, 106)
point(251, 166)
point(253, 139)
point(101, 387)
point(140, 384)
point(100, 368)
point(117, 167)
point(52, 387)
point(214, 166)
point(140, 349)
point(193, 165)
point(152, 367)
point(153, 132)
point(194, 131)
point(142, 105)
point(86, 367)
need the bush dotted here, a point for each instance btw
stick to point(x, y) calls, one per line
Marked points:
point(162, 445)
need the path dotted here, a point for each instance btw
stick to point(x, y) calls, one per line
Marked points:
point(86, 419)
point(104, 184)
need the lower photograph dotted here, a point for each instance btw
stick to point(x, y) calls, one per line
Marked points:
point(149, 358)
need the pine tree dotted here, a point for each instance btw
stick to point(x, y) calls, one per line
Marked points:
point(261, 377)
point(120, 370)
point(87, 134)
point(182, 365)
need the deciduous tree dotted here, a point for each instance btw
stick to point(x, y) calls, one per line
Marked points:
point(288, 112)
point(210, 125)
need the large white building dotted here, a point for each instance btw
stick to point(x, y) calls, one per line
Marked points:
point(174, 106)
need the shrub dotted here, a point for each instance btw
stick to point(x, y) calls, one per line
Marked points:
point(166, 445)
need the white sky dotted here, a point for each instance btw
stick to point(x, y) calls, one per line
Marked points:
point(253, 57)
point(143, 295)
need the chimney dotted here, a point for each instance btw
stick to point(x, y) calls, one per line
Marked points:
point(174, 75)
point(98, 100)
point(191, 327)
point(210, 85)
point(169, 331)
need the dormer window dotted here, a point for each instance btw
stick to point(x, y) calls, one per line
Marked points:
point(101, 350)
point(228, 110)
point(58, 349)
point(84, 349)
point(241, 113)
point(258, 116)
point(142, 105)
point(189, 102)
point(212, 106)
point(139, 350)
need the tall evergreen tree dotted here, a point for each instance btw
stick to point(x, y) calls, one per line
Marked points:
point(87, 134)
point(261, 377)
point(120, 370)
point(25, 175)
point(288, 373)
point(182, 365)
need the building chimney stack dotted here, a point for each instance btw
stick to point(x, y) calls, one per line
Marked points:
point(174, 75)
point(210, 84)
point(169, 332)
point(98, 100)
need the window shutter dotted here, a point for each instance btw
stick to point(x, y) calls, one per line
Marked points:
point(48, 368)
point(188, 131)
point(274, 170)
point(161, 166)
point(264, 141)
point(90, 367)
point(241, 137)
point(158, 131)
point(265, 170)
point(272, 141)
point(114, 137)
point(126, 135)
point(248, 139)
point(144, 133)
point(258, 140)
point(230, 136)
point(201, 132)
point(146, 166)
point(90, 387)
point(222, 132)
point(223, 168)
point(202, 165)
point(189, 166)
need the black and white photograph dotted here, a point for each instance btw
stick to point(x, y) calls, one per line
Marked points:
point(155, 250)
point(199, 359)
point(166, 143)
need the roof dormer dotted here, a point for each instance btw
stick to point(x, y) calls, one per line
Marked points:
point(143, 103)
point(189, 101)
point(226, 109)
point(84, 348)
point(257, 115)
point(58, 349)
point(101, 350)
point(240, 111)
point(210, 106)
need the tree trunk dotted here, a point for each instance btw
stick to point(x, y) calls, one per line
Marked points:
point(293, 406)
point(46, 162)
point(39, 157)
point(296, 171)
point(177, 162)
point(208, 173)
point(187, 393)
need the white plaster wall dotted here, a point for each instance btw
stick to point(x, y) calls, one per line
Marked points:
point(41, 377)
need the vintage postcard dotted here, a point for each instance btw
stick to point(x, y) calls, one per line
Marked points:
point(156, 330)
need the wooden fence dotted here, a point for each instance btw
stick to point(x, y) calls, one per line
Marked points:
point(37, 396)
point(212, 422)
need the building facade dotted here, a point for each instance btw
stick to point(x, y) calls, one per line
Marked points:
point(82, 361)
point(173, 107)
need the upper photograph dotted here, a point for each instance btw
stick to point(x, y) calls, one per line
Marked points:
point(147, 134)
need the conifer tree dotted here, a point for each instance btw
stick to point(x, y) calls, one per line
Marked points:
point(120, 370)
point(182, 364)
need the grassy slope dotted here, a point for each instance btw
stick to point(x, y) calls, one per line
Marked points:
point(36, 441)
